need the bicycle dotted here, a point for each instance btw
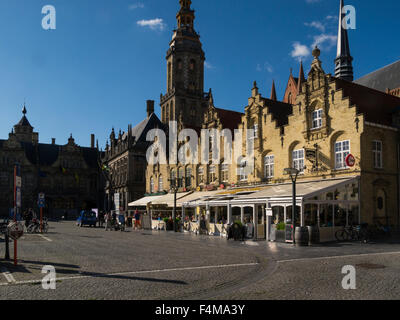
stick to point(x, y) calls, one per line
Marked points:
point(353, 233)
point(346, 234)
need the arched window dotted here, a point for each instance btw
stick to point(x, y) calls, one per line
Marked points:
point(192, 66)
point(200, 175)
point(173, 178)
point(188, 182)
point(160, 183)
point(243, 170)
point(269, 166)
point(212, 174)
point(151, 185)
point(180, 178)
point(290, 98)
point(224, 172)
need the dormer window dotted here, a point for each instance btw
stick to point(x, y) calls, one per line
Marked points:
point(317, 119)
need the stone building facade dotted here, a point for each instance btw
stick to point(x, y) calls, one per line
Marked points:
point(320, 123)
point(124, 162)
point(68, 174)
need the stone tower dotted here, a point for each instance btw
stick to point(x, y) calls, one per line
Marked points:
point(185, 72)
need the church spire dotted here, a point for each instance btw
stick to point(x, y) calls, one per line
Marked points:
point(302, 78)
point(273, 91)
point(343, 61)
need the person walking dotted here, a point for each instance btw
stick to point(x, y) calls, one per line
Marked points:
point(137, 220)
point(108, 221)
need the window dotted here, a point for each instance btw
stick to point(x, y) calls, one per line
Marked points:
point(188, 182)
point(298, 160)
point(377, 153)
point(160, 184)
point(173, 178)
point(269, 166)
point(212, 176)
point(200, 175)
point(151, 185)
point(180, 178)
point(242, 171)
point(342, 150)
point(317, 119)
point(254, 133)
point(224, 172)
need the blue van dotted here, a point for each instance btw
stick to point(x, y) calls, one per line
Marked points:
point(86, 218)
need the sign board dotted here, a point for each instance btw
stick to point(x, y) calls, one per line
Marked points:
point(269, 212)
point(289, 233)
point(41, 201)
point(350, 160)
point(18, 197)
point(18, 182)
point(15, 230)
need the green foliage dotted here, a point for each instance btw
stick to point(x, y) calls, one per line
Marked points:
point(239, 223)
point(280, 226)
point(165, 220)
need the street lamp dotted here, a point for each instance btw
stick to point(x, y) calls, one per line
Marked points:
point(293, 173)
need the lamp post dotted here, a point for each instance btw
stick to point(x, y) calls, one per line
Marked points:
point(293, 173)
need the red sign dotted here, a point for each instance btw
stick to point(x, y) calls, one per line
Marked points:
point(16, 230)
point(350, 160)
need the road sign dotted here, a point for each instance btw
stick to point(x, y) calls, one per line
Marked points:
point(15, 230)
point(269, 212)
point(18, 182)
point(350, 160)
point(18, 197)
point(42, 200)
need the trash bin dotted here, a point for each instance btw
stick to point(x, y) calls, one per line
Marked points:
point(313, 234)
point(301, 237)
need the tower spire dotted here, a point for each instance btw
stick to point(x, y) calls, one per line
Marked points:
point(302, 78)
point(343, 61)
point(273, 91)
point(185, 16)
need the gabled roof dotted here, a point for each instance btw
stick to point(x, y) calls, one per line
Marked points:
point(140, 129)
point(385, 78)
point(279, 110)
point(377, 106)
point(229, 119)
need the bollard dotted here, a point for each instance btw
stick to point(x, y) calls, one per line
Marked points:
point(7, 255)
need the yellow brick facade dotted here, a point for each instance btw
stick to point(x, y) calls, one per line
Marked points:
point(340, 122)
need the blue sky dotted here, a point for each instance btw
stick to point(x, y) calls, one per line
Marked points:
point(107, 57)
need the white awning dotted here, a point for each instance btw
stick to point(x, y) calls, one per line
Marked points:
point(168, 199)
point(143, 202)
point(303, 189)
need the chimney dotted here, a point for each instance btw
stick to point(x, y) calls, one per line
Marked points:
point(92, 141)
point(53, 141)
point(150, 108)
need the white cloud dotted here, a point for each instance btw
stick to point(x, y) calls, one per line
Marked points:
point(317, 25)
point(208, 65)
point(325, 41)
point(135, 6)
point(266, 67)
point(300, 51)
point(153, 24)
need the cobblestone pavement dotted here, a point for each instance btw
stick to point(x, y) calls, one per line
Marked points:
point(93, 264)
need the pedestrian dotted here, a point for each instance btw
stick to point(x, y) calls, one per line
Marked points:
point(137, 220)
point(101, 219)
point(108, 221)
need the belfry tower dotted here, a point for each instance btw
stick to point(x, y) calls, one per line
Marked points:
point(185, 95)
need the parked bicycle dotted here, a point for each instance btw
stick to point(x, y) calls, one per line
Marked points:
point(353, 233)
point(34, 226)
